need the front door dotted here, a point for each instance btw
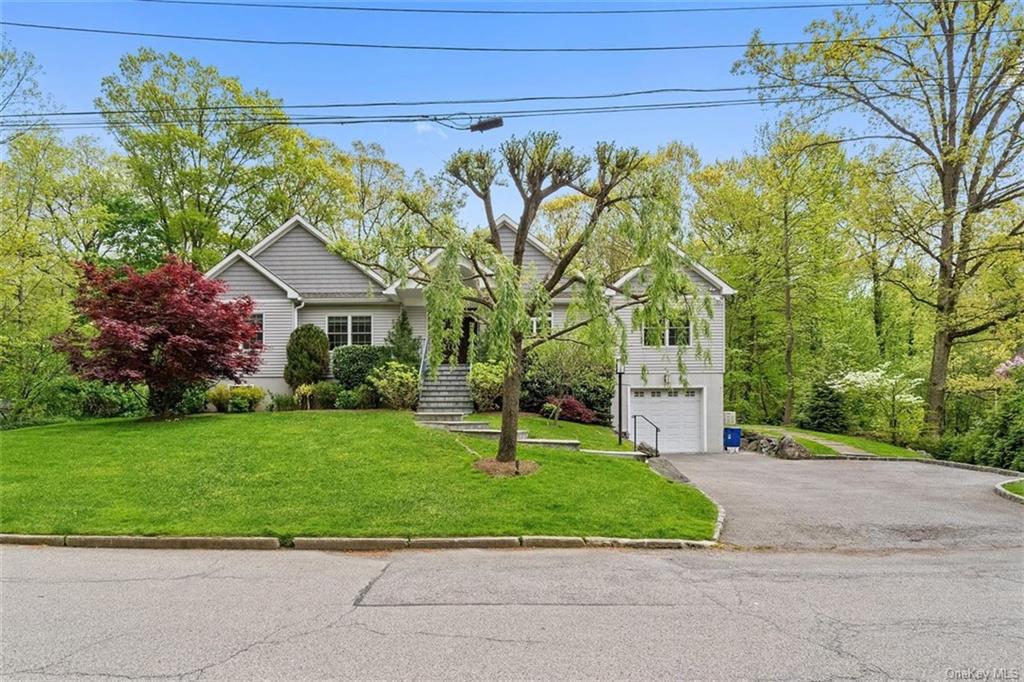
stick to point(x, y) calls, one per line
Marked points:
point(468, 328)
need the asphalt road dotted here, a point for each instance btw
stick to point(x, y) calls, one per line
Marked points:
point(777, 604)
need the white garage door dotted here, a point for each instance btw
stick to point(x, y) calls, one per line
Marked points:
point(676, 411)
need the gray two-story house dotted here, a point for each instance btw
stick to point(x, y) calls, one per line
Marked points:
point(294, 279)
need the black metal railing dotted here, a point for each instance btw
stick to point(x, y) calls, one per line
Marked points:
point(636, 436)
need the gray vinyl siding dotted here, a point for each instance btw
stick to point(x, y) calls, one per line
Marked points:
point(382, 317)
point(535, 263)
point(278, 323)
point(244, 280)
point(417, 320)
point(661, 362)
point(305, 263)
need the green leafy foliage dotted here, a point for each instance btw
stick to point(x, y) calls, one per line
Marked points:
point(307, 357)
point(396, 384)
point(485, 384)
point(825, 410)
point(402, 346)
point(225, 398)
point(568, 369)
point(351, 365)
point(281, 403)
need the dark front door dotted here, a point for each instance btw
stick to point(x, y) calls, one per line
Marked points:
point(468, 328)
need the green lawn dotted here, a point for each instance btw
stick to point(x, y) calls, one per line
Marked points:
point(868, 445)
point(348, 473)
point(590, 436)
point(1015, 487)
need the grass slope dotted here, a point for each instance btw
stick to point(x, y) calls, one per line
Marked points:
point(590, 436)
point(351, 473)
point(873, 447)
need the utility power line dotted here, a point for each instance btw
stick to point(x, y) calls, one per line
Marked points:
point(458, 120)
point(529, 12)
point(421, 103)
point(484, 49)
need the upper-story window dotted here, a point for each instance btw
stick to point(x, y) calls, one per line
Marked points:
point(535, 326)
point(671, 335)
point(349, 330)
point(256, 319)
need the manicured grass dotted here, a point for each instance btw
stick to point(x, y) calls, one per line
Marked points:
point(349, 473)
point(1015, 487)
point(873, 447)
point(590, 436)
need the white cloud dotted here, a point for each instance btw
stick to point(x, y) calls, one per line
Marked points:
point(424, 128)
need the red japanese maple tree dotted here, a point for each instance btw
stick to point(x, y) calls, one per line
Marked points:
point(166, 328)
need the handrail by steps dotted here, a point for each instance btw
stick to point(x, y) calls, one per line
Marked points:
point(636, 440)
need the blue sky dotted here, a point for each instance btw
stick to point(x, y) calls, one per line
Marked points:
point(75, 63)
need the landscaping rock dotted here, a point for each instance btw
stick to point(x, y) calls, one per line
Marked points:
point(789, 449)
point(351, 544)
point(783, 448)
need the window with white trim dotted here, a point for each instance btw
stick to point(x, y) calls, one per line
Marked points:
point(671, 335)
point(257, 320)
point(535, 327)
point(349, 330)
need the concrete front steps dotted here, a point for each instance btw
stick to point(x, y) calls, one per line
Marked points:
point(455, 422)
point(448, 392)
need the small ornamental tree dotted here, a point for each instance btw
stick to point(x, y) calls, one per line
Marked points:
point(167, 329)
point(308, 357)
point(622, 195)
point(404, 347)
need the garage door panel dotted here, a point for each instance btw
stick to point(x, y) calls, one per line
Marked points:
point(677, 412)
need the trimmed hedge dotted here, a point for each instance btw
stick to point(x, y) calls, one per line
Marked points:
point(351, 365)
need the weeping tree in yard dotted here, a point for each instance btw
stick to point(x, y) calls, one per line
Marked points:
point(942, 82)
point(632, 196)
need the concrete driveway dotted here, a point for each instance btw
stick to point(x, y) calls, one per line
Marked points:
point(828, 504)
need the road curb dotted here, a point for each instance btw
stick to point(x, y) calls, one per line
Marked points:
point(21, 539)
point(350, 544)
point(919, 460)
point(166, 542)
point(481, 542)
point(341, 544)
point(1003, 492)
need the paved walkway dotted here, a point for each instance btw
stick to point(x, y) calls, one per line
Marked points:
point(77, 614)
point(840, 448)
point(842, 504)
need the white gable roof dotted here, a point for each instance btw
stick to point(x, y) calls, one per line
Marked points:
point(504, 220)
point(237, 255)
point(708, 276)
point(299, 221)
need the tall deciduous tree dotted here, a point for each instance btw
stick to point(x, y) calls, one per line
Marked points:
point(776, 221)
point(167, 328)
point(218, 163)
point(625, 193)
point(20, 96)
point(945, 83)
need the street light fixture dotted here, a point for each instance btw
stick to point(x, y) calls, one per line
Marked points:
point(619, 370)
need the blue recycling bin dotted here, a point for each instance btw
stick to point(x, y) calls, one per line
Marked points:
point(732, 437)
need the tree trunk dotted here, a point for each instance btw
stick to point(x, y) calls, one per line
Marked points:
point(787, 411)
point(935, 400)
point(508, 442)
point(877, 307)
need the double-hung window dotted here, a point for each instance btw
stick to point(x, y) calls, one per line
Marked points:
point(257, 320)
point(349, 330)
point(535, 326)
point(670, 335)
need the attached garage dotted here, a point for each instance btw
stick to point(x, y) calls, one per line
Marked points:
point(678, 413)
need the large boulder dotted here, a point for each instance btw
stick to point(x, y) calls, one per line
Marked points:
point(788, 448)
point(783, 448)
